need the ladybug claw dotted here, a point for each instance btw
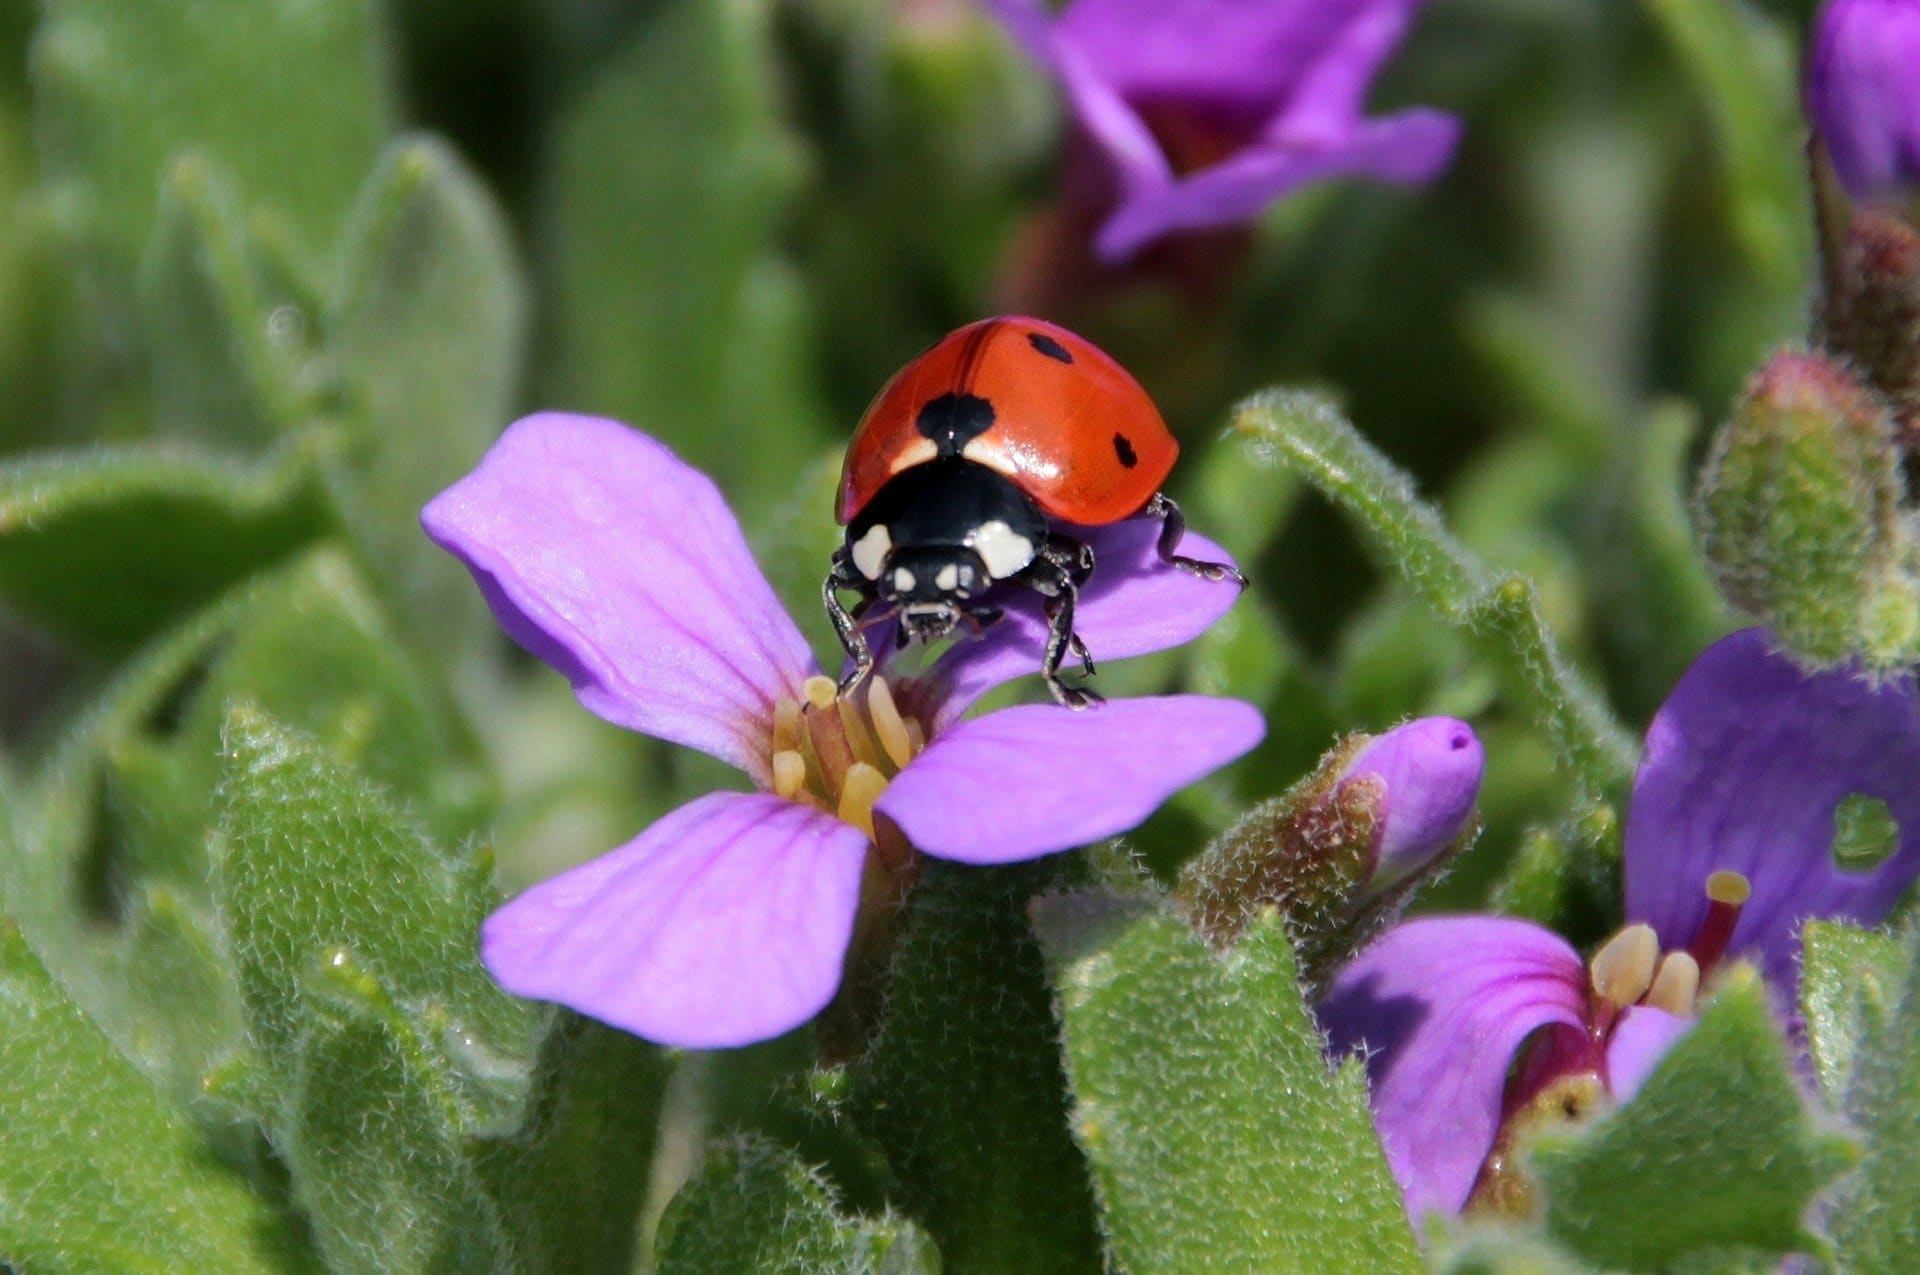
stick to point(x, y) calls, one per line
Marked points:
point(1075, 697)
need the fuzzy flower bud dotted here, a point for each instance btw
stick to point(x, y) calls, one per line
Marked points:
point(1341, 850)
point(1800, 514)
point(1863, 93)
point(1429, 771)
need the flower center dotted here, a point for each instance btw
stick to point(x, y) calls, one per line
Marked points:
point(837, 752)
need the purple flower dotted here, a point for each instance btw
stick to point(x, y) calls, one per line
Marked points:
point(1863, 93)
point(1206, 111)
point(728, 921)
point(1729, 847)
point(1429, 770)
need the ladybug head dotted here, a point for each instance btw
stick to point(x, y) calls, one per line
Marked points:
point(933, 586)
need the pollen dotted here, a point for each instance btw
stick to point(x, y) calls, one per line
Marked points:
point(1623, 968)
point(837, 752)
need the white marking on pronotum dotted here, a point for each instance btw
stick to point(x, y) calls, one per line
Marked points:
point(903, 580)
point(870, 551)
point(1004, 550)
point(948, 579)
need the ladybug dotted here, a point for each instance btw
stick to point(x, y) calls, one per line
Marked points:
point(964, 468)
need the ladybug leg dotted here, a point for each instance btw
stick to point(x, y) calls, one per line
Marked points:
point(845, 624)
point(1173, 525)
point(1056, 575)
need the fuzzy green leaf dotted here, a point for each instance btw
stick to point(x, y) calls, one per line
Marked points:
point(572, 1178)
point(106, 547)
point(309, 860)
point(100, 1173)
point(290, 96)
point(226, 339)
point(183, 992)
point(1717, 1151)
point(1851, 980)
point(428, 325)
point(1876, 1225)
point(755, 1207)
point(963, 1089)
point(372, 1140)
point(1502, 612)
point(674, 172)
point(1202, 1096)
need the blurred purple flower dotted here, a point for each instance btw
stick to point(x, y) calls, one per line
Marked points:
point(1729, 847)
point(1863, 93)
point(728, 921)
point(1206, 111)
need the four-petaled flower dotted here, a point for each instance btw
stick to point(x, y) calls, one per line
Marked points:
point(728, 921)
point(1203, 112)
point(1729, 847)
point(1863, 93)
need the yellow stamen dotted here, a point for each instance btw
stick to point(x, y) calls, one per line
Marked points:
point(1676, 984)
point(887, 723)
point(820, 691)
point(1623, 967)
point(857, 737)
point(789, 772)
point(1729, 888)
point(861, 788)
point(786, 724)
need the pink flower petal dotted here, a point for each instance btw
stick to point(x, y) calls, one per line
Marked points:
point(1639, 1041)
point(724, 923)
point(1032, 780)
point(619, 565)
point(1133, 604)
point(1440, 1006)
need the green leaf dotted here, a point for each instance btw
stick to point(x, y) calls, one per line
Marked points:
point(963, 1089)
point(755, 1207)
point(1744, 68)
point(100, 1174)
point(1851, 981)
point(315, 653)
point(227, 340)
point(428, 325)
point(310, 860)
point(674, 173)
point(1717, 1150)
point(292, 99)
point(1876, 1223)
point(373, 1140)
point(1221, 1139)
point(572, 1178)
point(1501, 612)
point(186, 1016)
point(107, 546)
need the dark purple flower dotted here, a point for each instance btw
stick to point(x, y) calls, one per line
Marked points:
point(1430, 770)
point(728, 921)
point(1206, 111)
point(1729, 847)
point(1863, 93)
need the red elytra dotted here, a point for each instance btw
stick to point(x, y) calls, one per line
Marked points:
point(1061, 419)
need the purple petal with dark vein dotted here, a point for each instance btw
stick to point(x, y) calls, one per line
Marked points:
point(1039, 778)
point(1413, 146)
point(609, 558)
point(1863, 93)
point(724, 923)
point(1744, 766)
point(1431, 768)
point(1133, 604)
point(1640, 1039)
point(1440, 1006)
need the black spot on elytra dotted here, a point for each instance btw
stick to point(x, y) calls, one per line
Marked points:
point(1049, 347)
point(1124, 450)
point(954, 420)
